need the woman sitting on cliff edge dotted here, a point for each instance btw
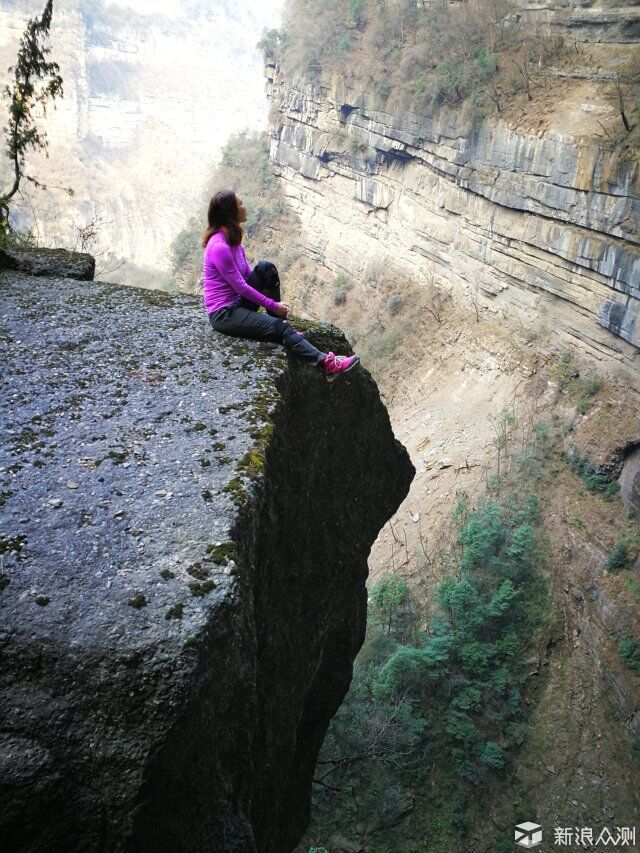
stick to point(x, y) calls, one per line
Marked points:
point(232, 302)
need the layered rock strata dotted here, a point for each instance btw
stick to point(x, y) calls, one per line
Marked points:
point(544, 228)
point(186, 524)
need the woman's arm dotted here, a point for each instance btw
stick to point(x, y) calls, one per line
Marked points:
point(222, 259)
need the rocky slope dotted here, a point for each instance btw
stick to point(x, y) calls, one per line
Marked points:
point(186, 525)
point(529, 216)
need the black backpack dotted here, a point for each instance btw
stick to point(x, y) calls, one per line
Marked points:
point(264, 278)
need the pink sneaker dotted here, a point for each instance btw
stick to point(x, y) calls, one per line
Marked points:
point(332, 365)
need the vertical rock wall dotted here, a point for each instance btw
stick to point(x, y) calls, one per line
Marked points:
point(542, 227)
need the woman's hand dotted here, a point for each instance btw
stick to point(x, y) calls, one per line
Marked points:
point(282, 310)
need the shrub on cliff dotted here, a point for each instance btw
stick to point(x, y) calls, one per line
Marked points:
point(454, 691)
point(618, 558)
point(370, 747)
point(341, 287)
point(473, 53)
point(467, 673)
point(629, 651)
point(386, 598)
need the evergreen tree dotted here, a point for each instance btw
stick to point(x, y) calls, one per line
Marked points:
point(36, 81)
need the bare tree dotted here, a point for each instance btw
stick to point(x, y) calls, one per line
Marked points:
point(621, 84)
point(523, 68)
point(433, 305)
point(87, 239)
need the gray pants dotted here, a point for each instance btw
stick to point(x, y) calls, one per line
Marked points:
point(241, 321)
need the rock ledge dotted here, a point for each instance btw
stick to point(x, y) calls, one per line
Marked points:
point(186, 525)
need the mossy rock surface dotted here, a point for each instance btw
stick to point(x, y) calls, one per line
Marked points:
point(197, 637)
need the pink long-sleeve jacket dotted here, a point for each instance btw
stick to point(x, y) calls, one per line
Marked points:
point(225, 270)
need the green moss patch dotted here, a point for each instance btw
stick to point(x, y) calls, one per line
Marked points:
point(201, 588)
point(237, 491)
point(175, 612)
point(221, 554)
point(118, 456)
point(197, 570)
point(252, 463)
point(231, 407)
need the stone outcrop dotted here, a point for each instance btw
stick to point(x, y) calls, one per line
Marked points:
point(57, 262)
point(606, 442)
point(540, 227)
point(186, 525)
point(598, 24)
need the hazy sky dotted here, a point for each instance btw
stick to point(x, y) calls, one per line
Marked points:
point(270, 10)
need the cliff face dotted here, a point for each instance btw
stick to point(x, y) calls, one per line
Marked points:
point(539, 223)
point(187, 520)
point(532, 223)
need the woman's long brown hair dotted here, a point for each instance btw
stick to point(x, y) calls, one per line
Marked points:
point(223, 210)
